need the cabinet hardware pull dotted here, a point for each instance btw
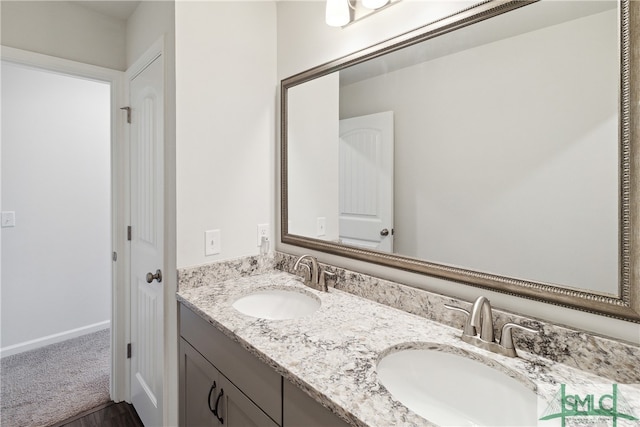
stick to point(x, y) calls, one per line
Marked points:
point(213, 387)
point(215, 412)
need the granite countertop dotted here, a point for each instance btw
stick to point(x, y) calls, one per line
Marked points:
point(332, 354)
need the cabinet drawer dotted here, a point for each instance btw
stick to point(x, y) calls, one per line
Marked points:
point(258, 382)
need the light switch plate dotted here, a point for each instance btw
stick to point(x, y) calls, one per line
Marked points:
point(8, 219)
point(212, 242)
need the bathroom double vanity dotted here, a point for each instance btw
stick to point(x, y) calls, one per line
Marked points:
point(259, 347)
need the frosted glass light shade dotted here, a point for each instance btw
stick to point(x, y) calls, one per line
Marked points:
point(374, 4)
point(337, 13)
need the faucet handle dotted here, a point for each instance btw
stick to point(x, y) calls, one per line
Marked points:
point(327, 275)
point(468, 329)
point(506, 338)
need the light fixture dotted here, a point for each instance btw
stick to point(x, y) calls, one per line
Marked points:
point(374, 4)
point(337, 13)
point(340, 13)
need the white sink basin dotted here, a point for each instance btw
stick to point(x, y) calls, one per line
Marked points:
point(277, 304)
point(452, 390)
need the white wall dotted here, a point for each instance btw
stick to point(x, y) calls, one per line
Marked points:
point(226, 109)
point(305, 41)
point(313, 170)
point(65, 30)
point(147, 23)
point(56, 261)
point(485, 185)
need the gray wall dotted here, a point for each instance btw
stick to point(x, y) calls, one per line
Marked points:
point(498, 168)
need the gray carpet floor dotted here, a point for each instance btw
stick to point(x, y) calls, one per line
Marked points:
point(47, 385)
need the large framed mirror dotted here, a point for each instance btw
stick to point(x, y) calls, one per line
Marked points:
point(497, 147)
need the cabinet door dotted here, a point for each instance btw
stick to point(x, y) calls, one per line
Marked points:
point(199, 387)
point(239, 411)
point(301, 410)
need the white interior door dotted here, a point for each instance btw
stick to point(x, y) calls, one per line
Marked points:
point(147, 224)
point(366, 181)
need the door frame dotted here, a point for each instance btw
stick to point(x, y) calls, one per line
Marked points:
point(118, 385)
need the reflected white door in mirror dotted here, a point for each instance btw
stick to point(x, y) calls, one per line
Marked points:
point(366, 181)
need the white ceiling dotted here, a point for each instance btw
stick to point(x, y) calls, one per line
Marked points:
point(120, 9)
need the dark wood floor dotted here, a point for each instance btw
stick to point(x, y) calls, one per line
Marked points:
point(108, 415)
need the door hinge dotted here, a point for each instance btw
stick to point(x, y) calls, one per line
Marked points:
point(128, 110)
point(129, 351)
point(128, 232)
point(115, 256)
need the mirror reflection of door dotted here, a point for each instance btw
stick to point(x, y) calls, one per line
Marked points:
point(366, 181)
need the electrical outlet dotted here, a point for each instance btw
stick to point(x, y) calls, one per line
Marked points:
point(8, 219)
point(212, 242)
point(263, 231)
point(322, 226)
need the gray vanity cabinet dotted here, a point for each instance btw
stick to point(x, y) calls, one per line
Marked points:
point(301, 410)
point(199, 387)
point(238, 410)
point(251, 393)
point(208, 398)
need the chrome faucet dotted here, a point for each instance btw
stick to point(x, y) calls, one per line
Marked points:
point(312, 270)
point(481, 317)
point(316, 276)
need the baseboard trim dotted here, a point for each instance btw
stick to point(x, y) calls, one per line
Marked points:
point(52, 339)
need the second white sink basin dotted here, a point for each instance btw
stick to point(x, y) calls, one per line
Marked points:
point(277, 304)
point(452, 390)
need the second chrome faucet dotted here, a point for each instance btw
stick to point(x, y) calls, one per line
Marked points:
point(480, 318)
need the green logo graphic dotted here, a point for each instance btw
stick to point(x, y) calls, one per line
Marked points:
point(612, 406)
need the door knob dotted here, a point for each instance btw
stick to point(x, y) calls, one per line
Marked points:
point(152, 277)
point(384, 232)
